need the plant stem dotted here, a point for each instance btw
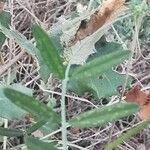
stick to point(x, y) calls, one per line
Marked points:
point(63, 108)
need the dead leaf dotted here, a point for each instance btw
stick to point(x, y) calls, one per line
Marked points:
point(142, 98)
point(80, 34)
point(136, 95)
point(108, 11)
point(144, 113)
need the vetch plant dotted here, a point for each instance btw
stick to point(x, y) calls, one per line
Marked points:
point(95, 76)
point(43, 114)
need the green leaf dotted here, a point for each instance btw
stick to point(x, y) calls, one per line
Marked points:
point(126, 136)
point(31, 105)
point(100, 65)
point(108, 84)
point(20, 39)
point(35, 144)
point(10, 132)
point(104, 86)
point(103, 48)
point(5, 20)
point(36, 126)
point(48, 51)
point(49, 128)
point(29, 47)
point(103, 115)
point(7, 108)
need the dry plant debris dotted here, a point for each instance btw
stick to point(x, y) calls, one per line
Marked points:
point(142, 98)
point(108, 11)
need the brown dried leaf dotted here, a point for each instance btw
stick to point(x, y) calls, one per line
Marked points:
point(108, 11)
point(136, 95)
point(142, 98)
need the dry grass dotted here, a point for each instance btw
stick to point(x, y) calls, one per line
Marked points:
point(22, 68)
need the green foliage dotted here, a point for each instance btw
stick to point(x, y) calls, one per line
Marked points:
point(101, 87)
point(48, 128)
point(103, 115)
point(48, 52)
point(103, 48)
point(5, 19)
point(31, 105)
point(35, 144)
point(138, 8)
point(20, 39)
point(10, 132)
point(100, 65)
point(36, 126)
point(126, 136)
point(96, 77)
point(7, 108)
point(29, 47)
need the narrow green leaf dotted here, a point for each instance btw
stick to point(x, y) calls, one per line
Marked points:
point(36, 126)
point(29, 47)
point(126, 136)
point(10, 132)
point(5, 19)
point(31, 105)
point(48, 51)
point(103, 115)
point(35, 144)
point(14, 112)
point(100, 65)
point(20, 39)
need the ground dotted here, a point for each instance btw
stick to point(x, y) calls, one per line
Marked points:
point(22, 68)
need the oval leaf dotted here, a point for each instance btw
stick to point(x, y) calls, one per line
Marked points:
point(100, 65)
point(35, 144)
point(31, 105)
point(48, 51)
point(10, 132)
point(103, 115)
point(127, 135)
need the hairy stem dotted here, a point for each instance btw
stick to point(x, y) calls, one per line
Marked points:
point(63, 109)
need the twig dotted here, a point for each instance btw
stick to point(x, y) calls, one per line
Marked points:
point(36, 19)
point(8, 65)
point(69, 96)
